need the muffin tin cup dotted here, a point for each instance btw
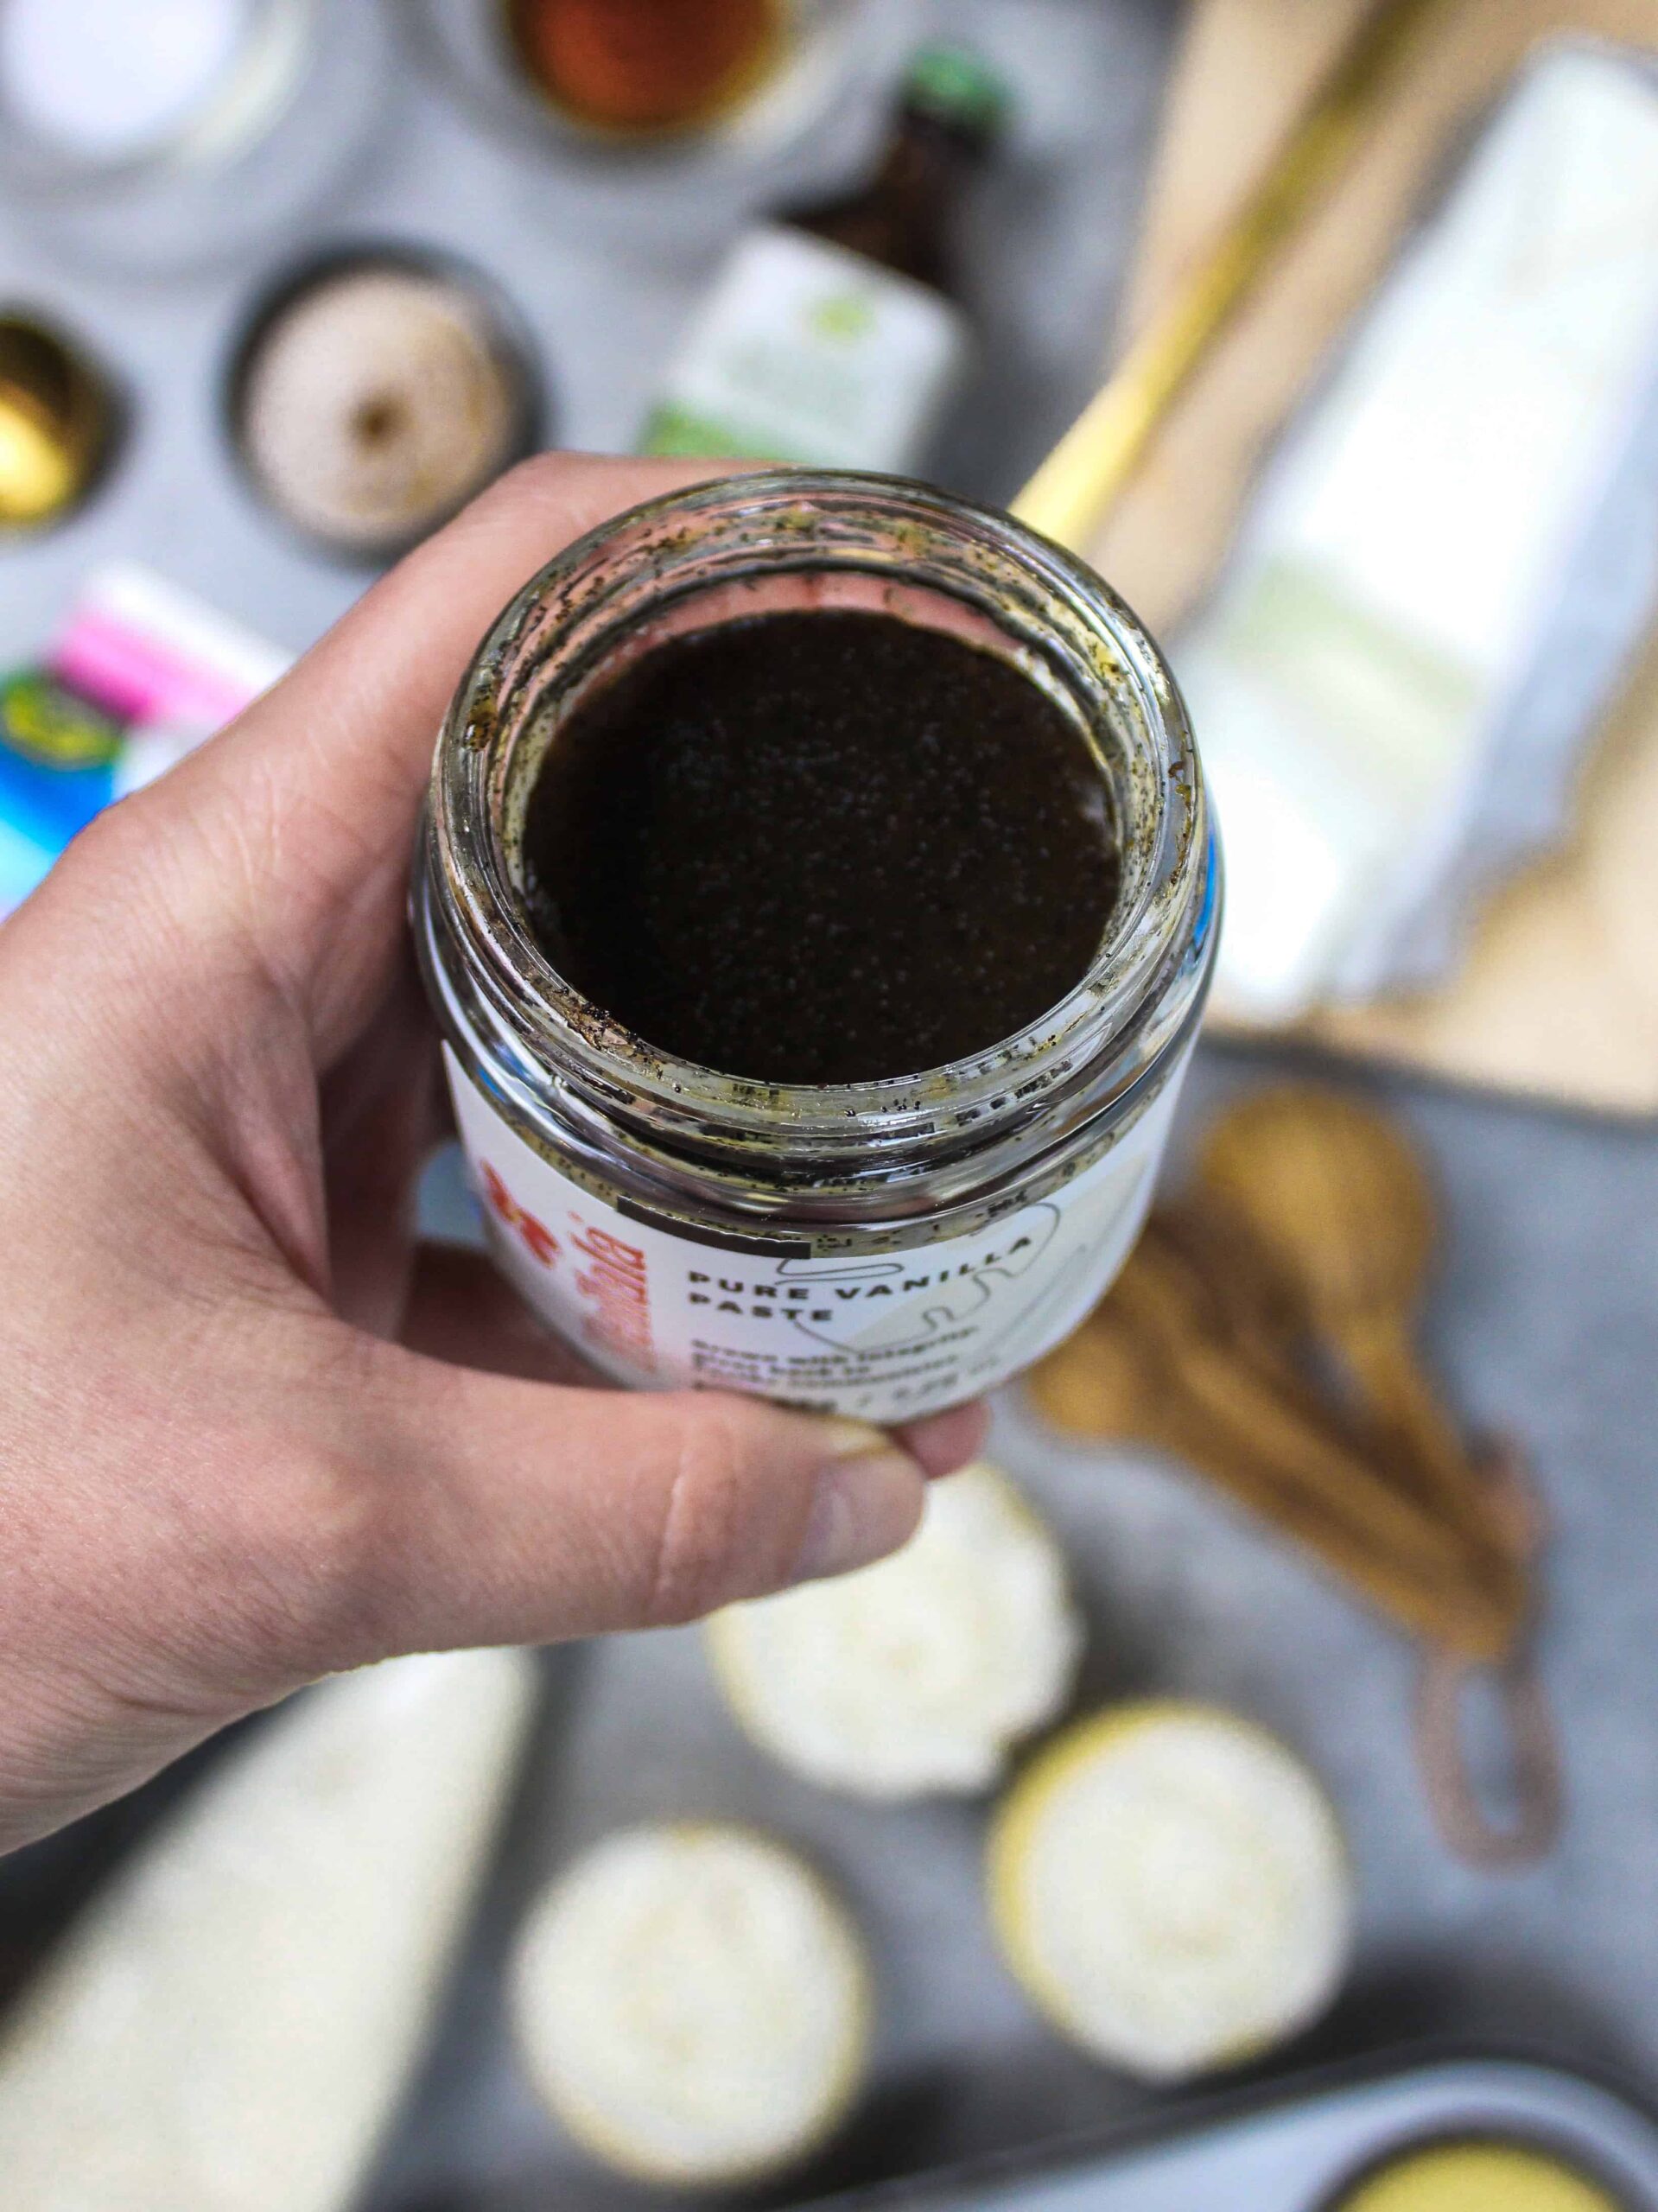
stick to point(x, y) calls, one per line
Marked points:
point(470, 44)
point(511, 343)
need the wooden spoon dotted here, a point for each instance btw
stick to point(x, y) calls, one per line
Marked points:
point(1158, 1363)
point(1334, 1191)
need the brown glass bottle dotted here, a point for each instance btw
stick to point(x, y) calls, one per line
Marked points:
point(834, 335)
point(905, 218)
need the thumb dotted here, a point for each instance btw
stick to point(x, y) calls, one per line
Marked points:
point(499, 1511)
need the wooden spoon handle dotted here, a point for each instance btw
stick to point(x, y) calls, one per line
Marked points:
point(1416, 1428)
point(1462, 1819)
point(1449, 1614)
point(1264, 1417)
point(1424, 1588)
point(1164, 1361)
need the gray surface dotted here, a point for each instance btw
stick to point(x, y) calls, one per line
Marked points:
point(1543, 1323)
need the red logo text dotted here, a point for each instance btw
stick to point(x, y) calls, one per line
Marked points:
point(536, 1237)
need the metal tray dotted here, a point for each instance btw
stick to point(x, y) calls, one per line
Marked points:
point(1298, 2153)
point(1300, 2150)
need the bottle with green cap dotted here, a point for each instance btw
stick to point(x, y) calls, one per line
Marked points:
point(834, 334)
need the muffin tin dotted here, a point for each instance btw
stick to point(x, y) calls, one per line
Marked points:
point(1302, 2152)
point(602, 263)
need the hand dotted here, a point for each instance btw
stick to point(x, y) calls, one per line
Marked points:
point(252, 1432)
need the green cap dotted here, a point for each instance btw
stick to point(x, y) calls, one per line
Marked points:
point(956, 86)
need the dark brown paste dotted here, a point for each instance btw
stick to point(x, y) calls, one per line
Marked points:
point(821, 847)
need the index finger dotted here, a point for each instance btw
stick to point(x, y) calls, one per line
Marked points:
point(327, 772)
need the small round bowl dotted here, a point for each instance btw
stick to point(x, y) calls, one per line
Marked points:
point(510, 341)
point(63, 419)
point(265, 145)
point(825, 48)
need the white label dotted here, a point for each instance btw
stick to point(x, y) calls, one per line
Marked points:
point(806, 352)
point(883, 1335)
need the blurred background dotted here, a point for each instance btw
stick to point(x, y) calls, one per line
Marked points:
point(1329, 330)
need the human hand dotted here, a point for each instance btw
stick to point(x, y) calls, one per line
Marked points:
point(252, 1432)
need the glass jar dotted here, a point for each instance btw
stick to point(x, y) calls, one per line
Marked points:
point(883, 1248)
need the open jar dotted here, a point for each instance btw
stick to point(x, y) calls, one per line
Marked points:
point(881, 1249)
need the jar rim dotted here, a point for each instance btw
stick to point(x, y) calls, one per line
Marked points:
point(803, 521)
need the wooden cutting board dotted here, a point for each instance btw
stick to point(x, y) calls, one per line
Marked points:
point(1558, 997)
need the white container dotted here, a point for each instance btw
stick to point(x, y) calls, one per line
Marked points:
point(174, 134)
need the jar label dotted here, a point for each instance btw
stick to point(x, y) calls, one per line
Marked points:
point(806, 352)
point(880, 1333)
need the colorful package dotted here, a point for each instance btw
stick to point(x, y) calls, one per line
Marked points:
point(141, 674)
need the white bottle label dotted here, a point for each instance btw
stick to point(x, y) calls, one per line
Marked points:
point(806, 352)
point(882, 1335)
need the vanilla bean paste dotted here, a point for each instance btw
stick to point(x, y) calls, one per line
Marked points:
point(821, 847)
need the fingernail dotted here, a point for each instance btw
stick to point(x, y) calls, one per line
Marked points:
point(852, 1440)
point(944, 1442)
point(866, 1504)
